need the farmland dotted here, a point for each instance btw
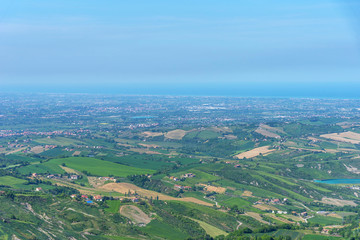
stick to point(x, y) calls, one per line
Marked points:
point(91, 165)
point(180, 175)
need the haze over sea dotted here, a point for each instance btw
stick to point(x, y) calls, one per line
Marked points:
point(255, 89)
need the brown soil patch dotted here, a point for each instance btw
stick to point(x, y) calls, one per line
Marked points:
point(76, 153)
point(142, 150)
point(176, 134)
point(210, 188)
point(265, 207)
point(152, 134)
point(349, 137)
point(124, 145)
point(294, 218)
point(126, 187)
point(279, 218)
point(37, 149)
point(230, 137)
point(257, 217)
point(96, 182)
point(338, 202)
point(255, 152)
point(70, 170)
point(134, 213)
point(267, 133)
point(247, 194)
point(149, 145)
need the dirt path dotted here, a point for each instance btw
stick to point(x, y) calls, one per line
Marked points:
point(16, 150)
point(239, 224)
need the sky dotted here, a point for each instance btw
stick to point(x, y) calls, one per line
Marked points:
point(299, 48)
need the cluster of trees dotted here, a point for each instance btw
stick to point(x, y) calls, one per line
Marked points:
point(244, 233)
point(152, 184)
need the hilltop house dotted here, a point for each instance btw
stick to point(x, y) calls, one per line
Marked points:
point(98, 198)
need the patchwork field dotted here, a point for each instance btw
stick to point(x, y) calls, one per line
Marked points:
point(349, 137)
point(91, 165)
point(61, 141)
point(266, 133)
point(265, 207)
point(126, 187)
point(152, 134)
point(338, 202)
point(254, 152)
point(177, 134)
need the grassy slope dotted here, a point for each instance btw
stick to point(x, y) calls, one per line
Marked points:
point(92, 165)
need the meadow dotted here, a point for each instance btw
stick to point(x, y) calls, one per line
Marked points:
point(99, 167)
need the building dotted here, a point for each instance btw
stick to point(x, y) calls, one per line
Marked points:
point(74, 177)
point(38, 189)
point(98, 198)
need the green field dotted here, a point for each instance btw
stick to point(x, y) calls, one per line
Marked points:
point(114, 206)
point(241, 203)
point(164, 230)
point(11, 181)
point(209, 229)
point(324, 220)
point(320, 237)
point(99, 167)
point(62, 141)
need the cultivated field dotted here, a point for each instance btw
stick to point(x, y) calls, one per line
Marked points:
point(338, 202)
point(61, 141)
point(152, 134)
point(76, 153)
point(126, 187)
point(37, 149)
point(247, 194)
point(177, 134)
point(279, 218)
point(97, 167)
point(349, 137)
point(210, 188)
point(69, 170)
point(134, 213)
point(257, 217)
point(209, 229)
point(16, 150)
point(265, 207)
point(11, 181)
point(268, 131)
point(255, 152)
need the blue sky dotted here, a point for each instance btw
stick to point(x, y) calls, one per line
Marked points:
point(234, 47)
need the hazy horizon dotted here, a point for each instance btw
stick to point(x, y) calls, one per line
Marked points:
point(280, 49)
